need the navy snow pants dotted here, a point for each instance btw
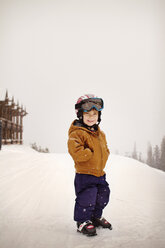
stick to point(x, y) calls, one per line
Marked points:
point(92, 195)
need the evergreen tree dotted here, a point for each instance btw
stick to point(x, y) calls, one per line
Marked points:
point(140, 157)
point(150, 159)
point(162, 157)
point(39, 149)
point(134, 154)
point(157, 157)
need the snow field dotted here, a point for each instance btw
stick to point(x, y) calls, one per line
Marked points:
point(37, 202)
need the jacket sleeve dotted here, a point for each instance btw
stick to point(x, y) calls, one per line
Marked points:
point(107, 149)
point(77, 149)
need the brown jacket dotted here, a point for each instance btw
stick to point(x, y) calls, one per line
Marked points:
point(88, 149)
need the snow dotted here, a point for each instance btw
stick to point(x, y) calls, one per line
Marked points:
point(37, 201)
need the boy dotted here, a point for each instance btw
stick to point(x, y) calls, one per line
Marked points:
point(88, 147)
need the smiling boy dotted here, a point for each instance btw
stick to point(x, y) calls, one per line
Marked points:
point(88, 147)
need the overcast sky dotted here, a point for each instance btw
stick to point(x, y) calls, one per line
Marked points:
point(52, 52)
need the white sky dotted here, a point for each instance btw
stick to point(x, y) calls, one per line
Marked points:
point(52, 52)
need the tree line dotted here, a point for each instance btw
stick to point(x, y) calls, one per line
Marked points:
point(39, 149)
point(155, 155)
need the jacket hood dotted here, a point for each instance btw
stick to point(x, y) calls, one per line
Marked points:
point(77, 125)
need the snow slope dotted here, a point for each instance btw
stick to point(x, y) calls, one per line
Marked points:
point(37, 200)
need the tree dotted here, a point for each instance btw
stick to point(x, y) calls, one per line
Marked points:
point(140, 157)
point(150, 159)
point(134, 154)
point(46, 150)
point(157, 157)
point(162, 157)
point(39, 149)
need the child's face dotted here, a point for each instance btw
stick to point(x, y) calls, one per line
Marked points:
point(91, 117)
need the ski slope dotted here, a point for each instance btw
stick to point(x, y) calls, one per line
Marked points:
point(37, 201)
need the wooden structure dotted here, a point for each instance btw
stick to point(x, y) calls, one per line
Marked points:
point(11, 121)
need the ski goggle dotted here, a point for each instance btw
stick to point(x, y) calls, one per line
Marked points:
point(91, 103)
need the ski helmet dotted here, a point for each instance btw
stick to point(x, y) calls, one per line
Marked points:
point(87, 102)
